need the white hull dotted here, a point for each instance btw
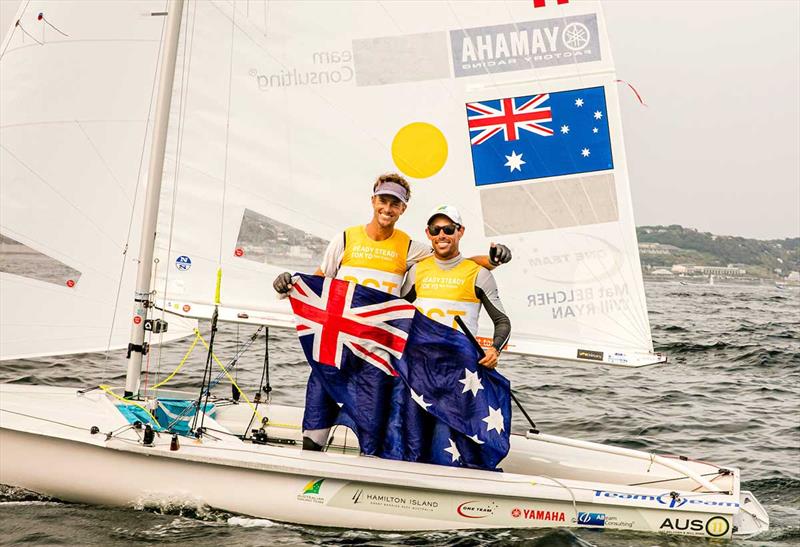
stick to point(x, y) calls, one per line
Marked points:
point(548, 481)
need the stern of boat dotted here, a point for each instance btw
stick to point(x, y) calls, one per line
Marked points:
point(752, 518)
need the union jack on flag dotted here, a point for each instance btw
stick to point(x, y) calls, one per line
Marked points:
point(337, 318)
point(510, 115)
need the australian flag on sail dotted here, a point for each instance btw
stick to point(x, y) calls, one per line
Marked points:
point(535, 136)
point(409, 387)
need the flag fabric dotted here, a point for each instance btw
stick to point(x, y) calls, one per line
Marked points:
point(409, 387)
point(536, 136)
point(543, 3)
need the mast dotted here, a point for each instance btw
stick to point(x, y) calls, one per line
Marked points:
point(136, 348)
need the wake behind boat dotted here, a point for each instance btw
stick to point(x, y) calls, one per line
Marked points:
point(262, 127)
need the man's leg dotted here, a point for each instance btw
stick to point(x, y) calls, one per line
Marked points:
point(320, 413)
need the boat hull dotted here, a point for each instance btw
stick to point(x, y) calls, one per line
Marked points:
point(56, 453)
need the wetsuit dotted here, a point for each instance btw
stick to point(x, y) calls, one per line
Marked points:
point(443, 289)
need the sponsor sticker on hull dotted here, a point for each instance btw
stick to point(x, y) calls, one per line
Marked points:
point(311, 492)
point(716, 526)
point(541, 514)
point(667, 499)
point(476, 509)
point(389, 500)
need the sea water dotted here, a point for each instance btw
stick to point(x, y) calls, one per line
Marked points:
point(730, 394)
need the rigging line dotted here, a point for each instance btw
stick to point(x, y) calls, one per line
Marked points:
point(135, 198)
point(108, 390)
point(26, 33)
point(103, 161)
point(43, 419)
point(180, 365)
point(185, 75)
point(235, 359)
point(227, 136)
point(59, 194)
point(19, 14)
point(51, 25)
point(71, 122)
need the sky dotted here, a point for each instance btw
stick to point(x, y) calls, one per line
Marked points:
point(718, 146)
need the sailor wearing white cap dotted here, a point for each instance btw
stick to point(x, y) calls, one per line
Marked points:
point(447, 285)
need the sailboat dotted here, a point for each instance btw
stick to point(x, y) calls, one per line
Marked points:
point(258, 128)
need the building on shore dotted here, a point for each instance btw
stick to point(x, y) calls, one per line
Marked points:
point(657, 249)
point(731, 270)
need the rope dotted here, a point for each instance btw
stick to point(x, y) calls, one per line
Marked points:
point(107, 389)
point(247, 400)
point(183, 361)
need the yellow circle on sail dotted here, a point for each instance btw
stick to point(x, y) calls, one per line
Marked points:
point(419, 150)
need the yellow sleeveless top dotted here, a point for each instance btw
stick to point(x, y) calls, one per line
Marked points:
point(443, 294)
point(377, 264)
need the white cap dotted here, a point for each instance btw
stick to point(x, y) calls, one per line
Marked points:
point(447, 210)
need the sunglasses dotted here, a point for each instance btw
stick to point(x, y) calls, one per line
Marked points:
point(449, 230)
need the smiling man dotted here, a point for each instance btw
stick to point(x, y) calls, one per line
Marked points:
point(447, 285)
point(376, 255)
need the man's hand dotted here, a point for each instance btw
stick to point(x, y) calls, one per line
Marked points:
point(283, 283)
point(490, 361)
point(499, 254)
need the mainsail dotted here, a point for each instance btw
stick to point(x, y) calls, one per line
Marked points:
point(284, 113)
point(74, 103)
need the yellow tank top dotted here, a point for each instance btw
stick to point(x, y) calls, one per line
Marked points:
point(377, 264)
point(443, 294)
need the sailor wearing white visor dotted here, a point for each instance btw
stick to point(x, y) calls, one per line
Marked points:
point(375, 255)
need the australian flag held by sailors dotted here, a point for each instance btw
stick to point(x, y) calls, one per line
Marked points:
point(537, 136)
point(409, 387)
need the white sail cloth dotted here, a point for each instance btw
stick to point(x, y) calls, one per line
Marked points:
point(73, 122)
point(286, 113)
point(283, 114)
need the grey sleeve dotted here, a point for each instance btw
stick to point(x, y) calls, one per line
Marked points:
point(332, 259)
point(487, 292)
point(408, 290)
point(417, 251)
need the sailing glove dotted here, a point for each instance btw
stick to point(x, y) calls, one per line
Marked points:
point(499, 254)
point(283, 283)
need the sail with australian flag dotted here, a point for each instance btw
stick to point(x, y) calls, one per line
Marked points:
point(409, 387)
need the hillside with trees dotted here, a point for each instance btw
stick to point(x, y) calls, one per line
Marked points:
point(762, 258)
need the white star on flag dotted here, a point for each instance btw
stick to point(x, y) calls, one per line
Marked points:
point(471, 382)
point(453, 451)
point(514, 161)
point(594, 130)
point(579, 102)
point(585, 152)
point(475, 439)
point(494, 420)
point(598, 115)
point(419, 399)
point(565, 129)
